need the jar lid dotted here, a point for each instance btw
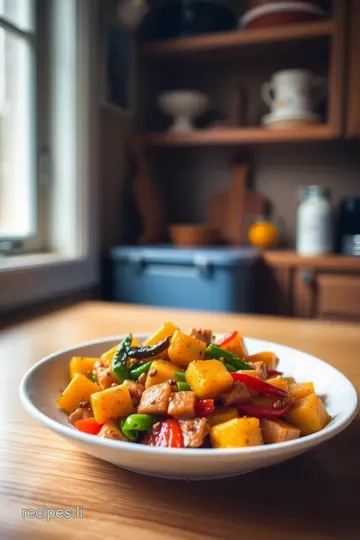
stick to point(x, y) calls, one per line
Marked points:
point(314, 190)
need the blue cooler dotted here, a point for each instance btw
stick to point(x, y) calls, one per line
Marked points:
point(217, 279)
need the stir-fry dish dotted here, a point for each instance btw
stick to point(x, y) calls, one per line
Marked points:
point(189, 390)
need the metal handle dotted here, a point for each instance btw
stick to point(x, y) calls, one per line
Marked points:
point(307, 277)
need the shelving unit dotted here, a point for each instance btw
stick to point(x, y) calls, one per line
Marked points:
point(236, 136)
point(236, 39)
point(275, 47)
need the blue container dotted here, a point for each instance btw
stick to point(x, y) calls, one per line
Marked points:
point(218, 279)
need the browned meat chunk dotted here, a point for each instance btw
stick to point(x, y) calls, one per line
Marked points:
point(194, 432)
point(202, 335)
point(105, 378)
point(259, 366)
point(136, 390)
point(80, 414)
point(237, 393)
point(155, 400)
point(182, 404)
point(111, 430)
point(274, 431)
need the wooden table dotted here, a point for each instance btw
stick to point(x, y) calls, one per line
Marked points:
point(315, 496)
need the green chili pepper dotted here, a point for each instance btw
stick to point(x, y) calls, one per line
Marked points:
point(92, 377)
point(136, 372)
point(213, 351)
point(180, 375)
point(119, 367)
point(183, 386)
point(230, 368)
point(135, 423)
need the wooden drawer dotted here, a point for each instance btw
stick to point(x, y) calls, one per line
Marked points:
point(337, 295)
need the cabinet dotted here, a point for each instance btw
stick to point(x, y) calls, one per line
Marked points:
point(353, 70)
point(317, 288)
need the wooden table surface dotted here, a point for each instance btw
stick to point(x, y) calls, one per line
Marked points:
point(315, 496)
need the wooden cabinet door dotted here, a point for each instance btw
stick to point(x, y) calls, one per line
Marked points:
point(338, 296)
point(353, 71)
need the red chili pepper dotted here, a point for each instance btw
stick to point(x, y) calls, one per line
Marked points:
point(259, 386)
point(228, 339)
point(278, 409)
point(88, 425)
point(204, 407)
point(167, 435)
point(273, 373)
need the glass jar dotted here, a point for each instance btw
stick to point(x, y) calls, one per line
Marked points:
point(314, 222)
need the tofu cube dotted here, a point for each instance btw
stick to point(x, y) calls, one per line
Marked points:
point(161, 371)
point(221, 415)
point(114, 402)
point(79, 389)
point(184, 349)
point(208, 378)
point(309, 415)
point(79, 364)
point(301, 390)
point(237, 433)
point(279, 382)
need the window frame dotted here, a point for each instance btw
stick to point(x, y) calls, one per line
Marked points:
point(33, 240)
point(26, 279)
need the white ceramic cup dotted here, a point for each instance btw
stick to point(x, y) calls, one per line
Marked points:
point(293, 92)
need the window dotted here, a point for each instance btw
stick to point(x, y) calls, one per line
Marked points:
point(48, 143)
point(17, 120)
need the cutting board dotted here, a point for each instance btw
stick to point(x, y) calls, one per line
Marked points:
point(235, 208)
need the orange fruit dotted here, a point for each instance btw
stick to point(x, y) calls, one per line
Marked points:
point(263, 234)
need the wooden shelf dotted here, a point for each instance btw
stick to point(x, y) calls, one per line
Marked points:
point(229, 136)
point(331, 262)
point(237, 38)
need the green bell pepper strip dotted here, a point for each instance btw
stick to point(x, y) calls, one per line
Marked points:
point(183, 386)
point(180, 375)
point(136, 372)
point(230, 368)
point(135, 423)
point(92, 377)
point(119, 363)
point(213, 351)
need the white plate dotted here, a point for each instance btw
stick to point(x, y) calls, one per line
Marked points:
point(41, 387)
point(268, 9)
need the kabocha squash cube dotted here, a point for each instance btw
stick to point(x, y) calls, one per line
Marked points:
point(161, 371)
point(309, 415)
point(79, 364)
point(79, 389)
point(237, 433)
point(301, 390)
point(114, 402)
point(279, 382)
point(236, 346)
point(269, 358)
point(208, 378)
point(275, 431)
point(184, 349)
point(108, 356)
point(221, 415)
point(166, 330)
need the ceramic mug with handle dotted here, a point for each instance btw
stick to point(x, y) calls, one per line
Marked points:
point(293, 92)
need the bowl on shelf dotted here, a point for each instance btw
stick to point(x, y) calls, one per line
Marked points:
point(280, 14)
point(184, 106)
point(193, 235)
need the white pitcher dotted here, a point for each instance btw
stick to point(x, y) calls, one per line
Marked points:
point(293, 92)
